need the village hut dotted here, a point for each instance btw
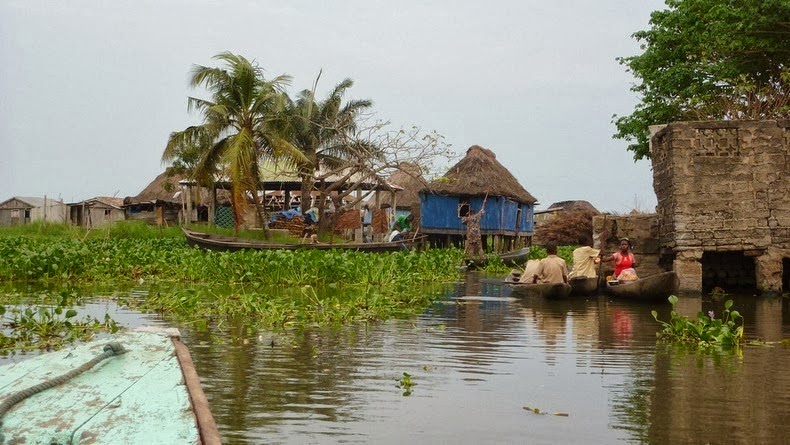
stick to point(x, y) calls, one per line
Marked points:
point(159, 203)
point(25, 210)
point(407, 181)
point(96, 212)
point(476, 179)
point(561, 207)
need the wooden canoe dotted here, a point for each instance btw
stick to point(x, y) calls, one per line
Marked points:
point(221, 243)
point(147, 391)
point(514, 258)
point(583, 286)
point(653, 288)
point(546, 290)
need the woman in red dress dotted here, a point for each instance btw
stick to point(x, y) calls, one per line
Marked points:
point(623, 259)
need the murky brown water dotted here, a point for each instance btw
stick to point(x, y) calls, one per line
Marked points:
point(481, 357)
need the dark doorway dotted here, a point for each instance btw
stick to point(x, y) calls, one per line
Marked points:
point(731, 271)
point(786, 275)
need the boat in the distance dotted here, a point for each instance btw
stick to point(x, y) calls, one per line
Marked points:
point(133, 387)
point(513, 258)
point(653, 288)
point(546, 290)
point(224, 243)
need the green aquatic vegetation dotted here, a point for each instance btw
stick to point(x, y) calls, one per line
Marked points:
point(268, 288)
point(272, 307)
point(406, 384)
point(706, 330)
point(47, 327)
point(718, 293)
point(125, 260)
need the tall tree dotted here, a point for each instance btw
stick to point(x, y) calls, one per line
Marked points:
point(242, 123)
point(323, 132)
point(709, 60)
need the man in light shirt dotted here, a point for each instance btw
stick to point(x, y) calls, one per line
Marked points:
point(584, 259)
point(551, 269)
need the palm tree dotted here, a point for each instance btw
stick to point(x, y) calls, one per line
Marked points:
point(321, 131)
point(242, 123)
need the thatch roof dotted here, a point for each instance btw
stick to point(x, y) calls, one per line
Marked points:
point(162, 188)
point(478, 174)
point(574, 206)
point(167, 189)
point(409, 178)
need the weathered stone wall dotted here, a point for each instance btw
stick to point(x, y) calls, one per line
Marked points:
point(724, 186)
point(642, 229)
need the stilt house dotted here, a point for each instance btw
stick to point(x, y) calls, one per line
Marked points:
point(477, 179)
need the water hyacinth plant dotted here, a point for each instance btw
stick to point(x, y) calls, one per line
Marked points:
point(706, 330)
point(46, 327)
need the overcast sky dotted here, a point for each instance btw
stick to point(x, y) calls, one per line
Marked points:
point(90, 89)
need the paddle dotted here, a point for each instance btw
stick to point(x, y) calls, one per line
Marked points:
point(603, 247)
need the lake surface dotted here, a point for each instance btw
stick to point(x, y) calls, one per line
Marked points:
point(482, 362)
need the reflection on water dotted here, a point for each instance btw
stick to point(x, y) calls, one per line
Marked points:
point(480, 357)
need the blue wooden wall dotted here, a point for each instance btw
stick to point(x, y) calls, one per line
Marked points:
point(440, 213)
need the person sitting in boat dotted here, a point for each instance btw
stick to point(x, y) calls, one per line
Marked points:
point(584, 259)
point(551, 269)
point(529, 270)
point(404, 223)
point(397, 236)
point(623, 259)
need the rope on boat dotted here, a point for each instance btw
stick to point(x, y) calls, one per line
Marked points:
point(110, 350)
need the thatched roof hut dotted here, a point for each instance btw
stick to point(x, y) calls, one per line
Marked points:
point(477, 182)
point(574, 206)
point(162, 188)
point(168, 189)
point(409, 178)
point(480, 174)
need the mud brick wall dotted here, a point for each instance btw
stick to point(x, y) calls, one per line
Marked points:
point(724, 186)
point(642, 229)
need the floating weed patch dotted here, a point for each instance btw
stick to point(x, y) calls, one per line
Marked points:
point(125, 260)
point(406, 384)
point(706, 330)
point(543, 413)
point(46, 327)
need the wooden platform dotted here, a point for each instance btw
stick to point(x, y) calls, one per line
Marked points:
point(140, 396)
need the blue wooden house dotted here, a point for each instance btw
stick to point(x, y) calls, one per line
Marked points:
point(476, 179)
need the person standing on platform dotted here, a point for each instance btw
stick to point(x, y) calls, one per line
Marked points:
point(474, 241)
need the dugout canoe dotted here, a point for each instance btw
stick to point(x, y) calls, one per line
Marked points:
point(514, 258)
point(222, 243)
point(583, 286)
point(546, 290)
point(141, 387)
point(653, 288)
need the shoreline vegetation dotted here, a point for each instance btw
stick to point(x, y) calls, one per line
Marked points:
point(209, 290)
point(263, 289)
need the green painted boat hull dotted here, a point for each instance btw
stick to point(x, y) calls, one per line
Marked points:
point(136, 397)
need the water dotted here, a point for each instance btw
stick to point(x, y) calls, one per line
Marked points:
point(481, 358)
